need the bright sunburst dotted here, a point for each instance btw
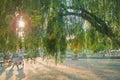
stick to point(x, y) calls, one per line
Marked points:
point(21, 23)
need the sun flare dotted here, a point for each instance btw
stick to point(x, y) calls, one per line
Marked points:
point(21, 23)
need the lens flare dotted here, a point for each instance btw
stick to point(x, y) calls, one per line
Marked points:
point(21, 24)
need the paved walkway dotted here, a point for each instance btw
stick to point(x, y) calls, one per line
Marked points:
point(82, 69)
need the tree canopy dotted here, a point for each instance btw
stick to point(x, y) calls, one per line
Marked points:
point(58, 25)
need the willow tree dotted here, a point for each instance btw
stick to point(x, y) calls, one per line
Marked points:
point(92, 11)
point(52, 21)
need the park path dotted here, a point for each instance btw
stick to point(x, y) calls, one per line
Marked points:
point(83, 69)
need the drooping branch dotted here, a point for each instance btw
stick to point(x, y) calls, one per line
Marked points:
point(99, 24)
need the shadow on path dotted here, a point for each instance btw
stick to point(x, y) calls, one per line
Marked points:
point(20, 74)
point(9, 74)
point(2, 69)
point(68, 75)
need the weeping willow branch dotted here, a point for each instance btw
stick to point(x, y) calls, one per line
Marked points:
point(99, 24)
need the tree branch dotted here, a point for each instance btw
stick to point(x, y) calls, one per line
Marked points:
point(97, 22)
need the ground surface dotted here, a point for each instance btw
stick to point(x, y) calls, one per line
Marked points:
point(82, 69)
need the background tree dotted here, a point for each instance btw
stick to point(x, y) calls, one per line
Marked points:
point(49, 23)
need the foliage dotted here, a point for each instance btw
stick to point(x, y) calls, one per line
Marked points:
point(49, 22)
